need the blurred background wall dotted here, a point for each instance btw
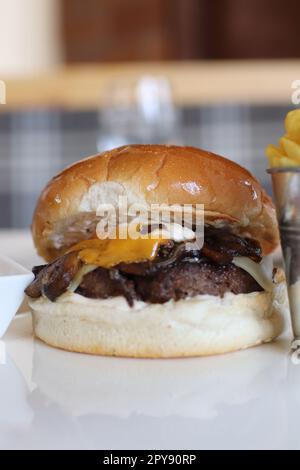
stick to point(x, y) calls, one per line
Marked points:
point(30, 36)
point(36, 35)
point(118, 30)
point(87, 75)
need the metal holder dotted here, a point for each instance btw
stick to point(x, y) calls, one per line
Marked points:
point(286, 188)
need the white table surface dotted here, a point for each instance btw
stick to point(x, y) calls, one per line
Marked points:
point(55, 399)
point(18, 245)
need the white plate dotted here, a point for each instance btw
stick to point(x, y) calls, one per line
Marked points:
point(51, 399)
point(13, 280)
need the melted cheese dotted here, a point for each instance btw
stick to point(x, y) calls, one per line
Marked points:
point(109, 253)
point(261, 272)
point(85, 269)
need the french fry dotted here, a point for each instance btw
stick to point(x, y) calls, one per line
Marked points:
point(288, 151)
point(292, 125)
point(277, 159)
point(292, 148)
point(273, 152)
point(285, 161)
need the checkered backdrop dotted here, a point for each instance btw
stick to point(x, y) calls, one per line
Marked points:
point(36, 144)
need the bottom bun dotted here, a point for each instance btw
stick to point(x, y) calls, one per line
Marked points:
point(198, 326)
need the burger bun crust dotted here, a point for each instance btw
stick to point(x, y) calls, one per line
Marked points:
point(151, 174)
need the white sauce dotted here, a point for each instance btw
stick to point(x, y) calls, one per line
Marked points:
point(175, 232)
point(118, 303)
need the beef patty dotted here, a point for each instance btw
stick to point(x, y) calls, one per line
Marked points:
point(175, 282)
point(174, 274)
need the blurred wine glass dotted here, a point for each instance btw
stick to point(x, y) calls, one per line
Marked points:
point(138, 111)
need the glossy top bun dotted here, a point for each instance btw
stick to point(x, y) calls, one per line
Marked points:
point(66, 210)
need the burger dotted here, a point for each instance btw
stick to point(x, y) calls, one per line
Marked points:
point(160, 293)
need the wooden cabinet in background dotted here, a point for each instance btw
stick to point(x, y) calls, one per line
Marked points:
point(133, 30)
